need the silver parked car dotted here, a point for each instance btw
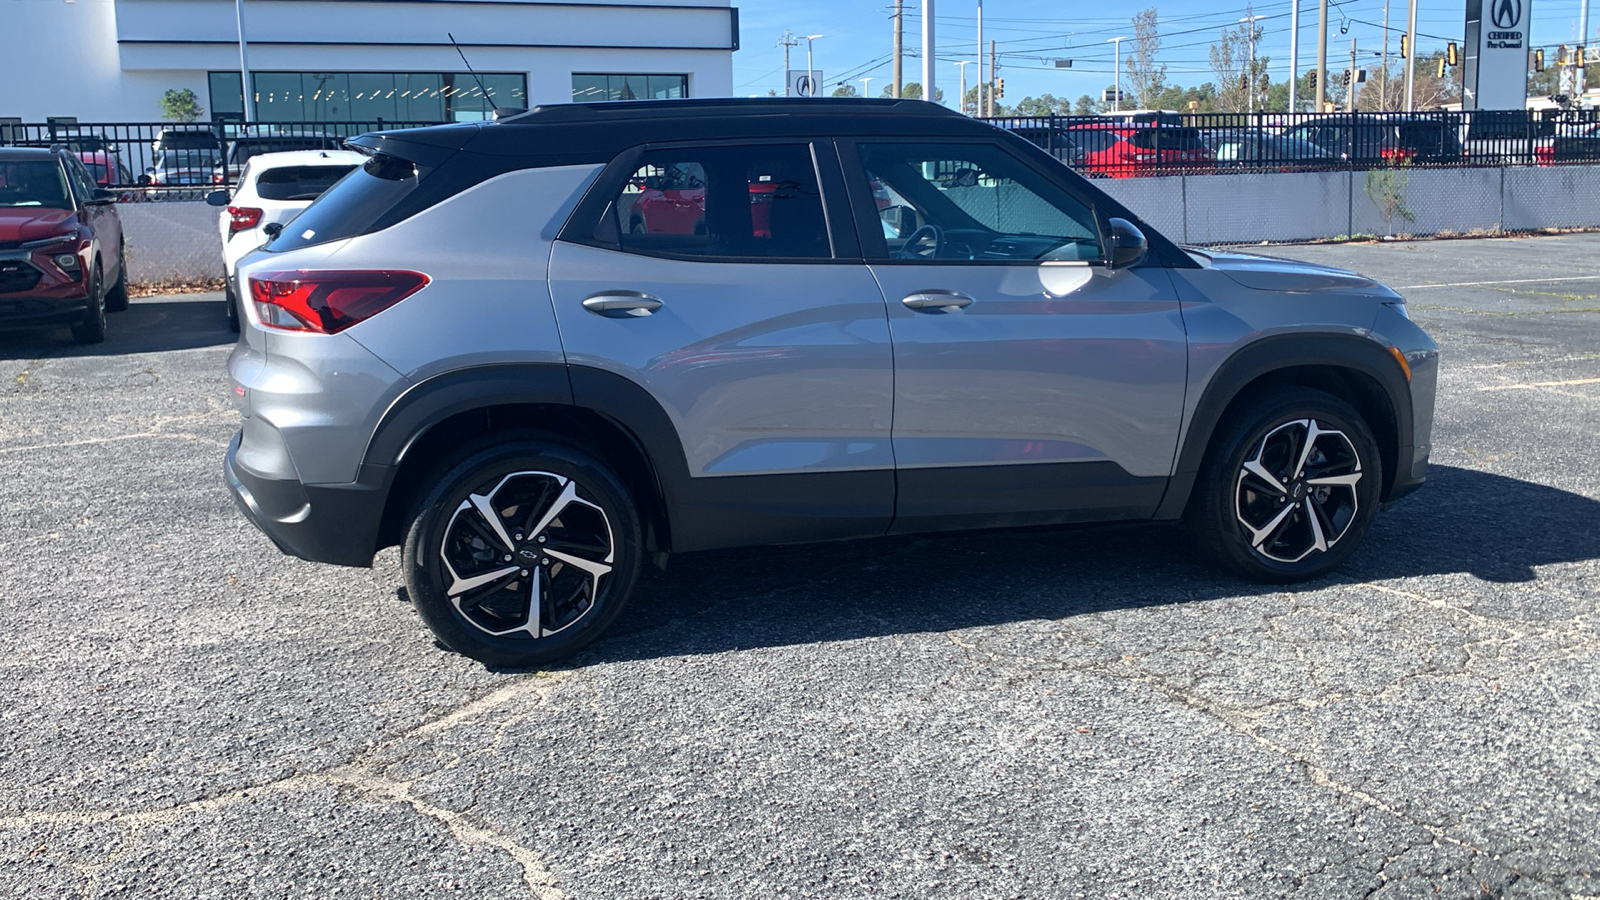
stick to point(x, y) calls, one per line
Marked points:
point(855, 319)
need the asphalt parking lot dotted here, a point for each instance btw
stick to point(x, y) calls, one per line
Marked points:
point(1042, 714)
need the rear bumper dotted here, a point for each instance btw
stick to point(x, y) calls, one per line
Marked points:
point(335, 524)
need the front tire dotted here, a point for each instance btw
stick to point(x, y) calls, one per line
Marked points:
point(92, 330)
point(117, 296)
point(522, 554)
point(1288, 488)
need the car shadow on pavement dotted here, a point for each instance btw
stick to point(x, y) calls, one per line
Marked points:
point(147, 326)
point(1464, 521)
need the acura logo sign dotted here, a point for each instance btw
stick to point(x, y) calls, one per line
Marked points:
point(1507, 13)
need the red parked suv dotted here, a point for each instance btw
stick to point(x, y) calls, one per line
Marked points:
point(61, 248)
point(1126, 150)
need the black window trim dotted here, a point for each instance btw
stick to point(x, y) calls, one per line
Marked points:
point(580, 227)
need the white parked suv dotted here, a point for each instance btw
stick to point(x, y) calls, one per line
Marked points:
point(272, 190)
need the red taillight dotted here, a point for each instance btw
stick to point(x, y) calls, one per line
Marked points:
point(244, 217)
point(1544, 155)
point(1396, 154)
point(328, 302)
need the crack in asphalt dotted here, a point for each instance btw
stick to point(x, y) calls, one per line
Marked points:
point(356, 775)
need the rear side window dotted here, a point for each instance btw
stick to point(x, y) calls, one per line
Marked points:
point(1094, 140)
point(299, 182)
point(754, 202)
point(1167, 138)
point(355, 204)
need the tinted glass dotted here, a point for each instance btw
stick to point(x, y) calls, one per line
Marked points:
point(754, 202)
point(1165, 138)
point(973, 202)
point(30, 183)
point(299, 182)
point(1094, 140)
point(354, 204)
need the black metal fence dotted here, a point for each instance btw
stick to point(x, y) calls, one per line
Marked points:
point(1158, 143)
point(169, 161)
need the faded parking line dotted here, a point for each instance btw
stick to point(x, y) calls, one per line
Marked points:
point(1418, 287)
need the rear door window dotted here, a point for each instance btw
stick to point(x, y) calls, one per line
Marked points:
point(749, 202)
point(299, 182)
point(355, 204)
point(1167, 138)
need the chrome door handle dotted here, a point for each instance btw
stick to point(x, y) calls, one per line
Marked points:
point(621, 304)
point(937, 301)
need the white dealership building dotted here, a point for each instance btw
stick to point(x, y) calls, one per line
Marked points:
point(356, 60)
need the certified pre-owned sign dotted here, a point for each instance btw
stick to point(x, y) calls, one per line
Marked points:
point(1496, 74)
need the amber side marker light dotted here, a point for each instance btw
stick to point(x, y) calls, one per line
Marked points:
point(1401, 359)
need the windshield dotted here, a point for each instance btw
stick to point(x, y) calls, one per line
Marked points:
point(39, 183)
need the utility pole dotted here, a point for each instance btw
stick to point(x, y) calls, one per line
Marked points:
point(980, 61)
point(1355, 79)
point(1294, 55)
point(247, 95)
point(928, 51)
point(788, 40)
point(899, 44)
point(991, 77)
point(1250, 73)
point(1583, 52)
point(1116, 79)
point(1322, 55)
point(1411, 57)
point(1383, 86)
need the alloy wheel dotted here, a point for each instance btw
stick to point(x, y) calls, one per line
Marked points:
point(1296, 492)
point(524, 557)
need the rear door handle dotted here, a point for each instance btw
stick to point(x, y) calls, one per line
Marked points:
point(621, 304)
point(936, 301)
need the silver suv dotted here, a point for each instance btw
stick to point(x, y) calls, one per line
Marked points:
point(536, 352)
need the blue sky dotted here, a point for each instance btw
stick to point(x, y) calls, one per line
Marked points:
point(1031, 34)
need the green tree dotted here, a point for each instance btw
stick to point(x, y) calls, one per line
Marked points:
point(1146, 77)
point(845, 90)
point(912, 90)
point(181, 106)
point(1085, 106)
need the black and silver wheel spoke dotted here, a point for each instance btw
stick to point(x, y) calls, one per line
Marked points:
point(1296, 494)
point(526, 556)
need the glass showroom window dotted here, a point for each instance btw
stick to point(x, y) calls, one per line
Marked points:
point(588, 87)
point(368, 96)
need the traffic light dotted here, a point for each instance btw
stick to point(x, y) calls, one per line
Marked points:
point(999, 87)
point(1578, 57)
point(1313, 74)
point(1538, 60)
point(1450, 53)
point(1441, 67)
point(1346, 76)
point(1244, 82)
point(1561, 55)
point(1405, 45)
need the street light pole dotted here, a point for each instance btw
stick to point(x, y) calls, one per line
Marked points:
point(961, 105)
point(928, 51)
point(811, 72)
point(864, 82)
point(1250, 73)
point(1411, 57)
point(1116, 83)
point(1294, 56)
point(244, 62)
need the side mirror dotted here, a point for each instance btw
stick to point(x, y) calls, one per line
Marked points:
point(101, 195)
point(1125, 246)
point(272, 229)
point(217, 198)
point(144, 179)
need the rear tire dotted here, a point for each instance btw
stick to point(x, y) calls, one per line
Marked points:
point(232, 304)
point(522, 554)
point(1274, 509)
point(92, 330)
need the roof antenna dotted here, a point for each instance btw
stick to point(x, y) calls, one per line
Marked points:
point(496, 112)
